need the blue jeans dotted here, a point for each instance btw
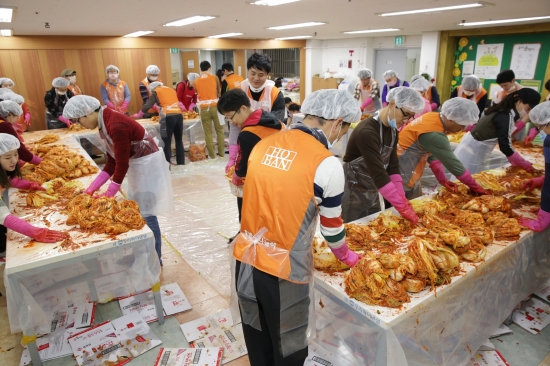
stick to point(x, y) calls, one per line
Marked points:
point(153, 224)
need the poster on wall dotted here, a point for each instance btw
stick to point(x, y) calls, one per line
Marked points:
point(191, 64)
point(524, 60)
point(533, 84)
point(488, 60)
point(468, 68)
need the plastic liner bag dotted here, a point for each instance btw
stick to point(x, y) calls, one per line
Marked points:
point(197, 152)
point(412, 163)
point(473, 153)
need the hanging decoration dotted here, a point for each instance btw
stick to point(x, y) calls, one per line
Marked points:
point(460, 57)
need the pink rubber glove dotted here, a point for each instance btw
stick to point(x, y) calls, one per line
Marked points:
point(238, 181)
point(519, 127)
point(533, 183)
point(467, 179)
point(538, 225)
point(65, 121)
point(345, 255)
point(182, 107)
point(434, 106)
point(469, 128)
point(437, 168)
point(35, 160)
point(531, 136)
point(517, 160)
point(233, 151)
point(111, 105)
point(390, 193)
point(39, 234)
point(25, 184)
point(98, 182)
point(138, 115)
point(191, 107)
point(384, 104)
point(28, 119)
point(111, 190)
point(366, 103)
point(124, 106)
point(398, 183)
point(156, 108)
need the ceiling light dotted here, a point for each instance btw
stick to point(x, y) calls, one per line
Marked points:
point(190, 20)
point(6, 32)
point(433, 10)
point(299, 25)
point(273, 2)
point(225, 35)
point(295, 37)
point(138, 34)
point(373, 31)
point(469, 24)
point(6, 15)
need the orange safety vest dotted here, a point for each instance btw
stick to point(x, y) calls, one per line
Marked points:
point(168, 99)
point(233, 81)
point(477, 95)
point(266, 99)
point(146, 83)
point(289, 156)
point(75, 89)
point(115, 93)
point(207, 90)
point(429, 94)
point(408, 139)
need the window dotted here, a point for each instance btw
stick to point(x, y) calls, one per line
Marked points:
point(285, 62)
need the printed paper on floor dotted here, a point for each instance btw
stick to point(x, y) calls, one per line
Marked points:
point(143, 303)
point(135, 334)
point(231, 340)
point(487, 358)
point(544, 291)
point(318, 356)
point(207, 325)
point(533, 316)
point(189, 356)
point(173, 299)
point(501, 330)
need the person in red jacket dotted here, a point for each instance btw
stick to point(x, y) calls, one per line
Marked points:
point(187, 94)
point(131, 152)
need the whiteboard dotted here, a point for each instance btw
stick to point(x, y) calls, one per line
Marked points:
point(524, 60)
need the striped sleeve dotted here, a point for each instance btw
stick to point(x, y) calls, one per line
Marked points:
point(329, 189)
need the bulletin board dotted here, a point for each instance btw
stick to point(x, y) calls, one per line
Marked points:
point(467, 47)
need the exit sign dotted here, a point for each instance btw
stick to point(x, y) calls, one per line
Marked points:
point(399, 41)
point(174, 50)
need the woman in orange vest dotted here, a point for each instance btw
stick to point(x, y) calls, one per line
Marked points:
point(472, 89)
point(171, 108)
point(425, 139)
point(71, 76)
point(152, 72)
point(115, 92)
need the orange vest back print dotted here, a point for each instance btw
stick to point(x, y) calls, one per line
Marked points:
point(168, 99)
point(234, 81)
point(207, 90)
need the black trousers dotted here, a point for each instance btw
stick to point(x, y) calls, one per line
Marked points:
point(264, 347)
point(240, 207)
point(174, 126)
point(3, 238)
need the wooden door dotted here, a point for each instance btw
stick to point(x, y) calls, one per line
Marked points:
point(188, 59)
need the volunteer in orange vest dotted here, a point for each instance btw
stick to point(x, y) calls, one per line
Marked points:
point(24, 121)
point(472, 89)
point(371, 163)
point(115, 92)
point(152, 72)
point(425, 139)
point(208, 90)
point(263, 94)
point(71, 76)
point(367, 92)
point(171, 107)
point(231, 80)
point(274, 267)
point(432, 95)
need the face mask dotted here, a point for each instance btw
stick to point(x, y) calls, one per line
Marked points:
point(391, 83)
point(72, 79)
point(60, 93)
point(522, 113)
point(257, 90)
point(392, 122)
point(331, 144)
point(542, 135)
point(153, 78)
point(511, 89)
point(469, 93)
point(113, 76)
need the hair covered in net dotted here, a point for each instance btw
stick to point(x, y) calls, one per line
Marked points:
point(332, 104)
point(471, 82)
point(389, 74)
point(192, 76)
point(420, 84)
point(6, 81)
point(152, 70)
point(8, 143)
point(155, 85)
point(111, 67)
point(540, 115)
point(364, 74)
point(406, 98)
point(80, 106)
point(461, 111)
point(60, 82)
point(13, 97)
point(9, 106)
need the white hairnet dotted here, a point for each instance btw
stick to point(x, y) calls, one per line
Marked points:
point(6, 80)
point(152, 69)
point(540, 115)
point(9, 106)
point(406, 98)
point(416, 77)
point(154, 85)
point(8, 143)
point(192, 76)
point(80, 106)
point(460, 110)
point(389, 74)
point(6, 90)
point(471, 82)
point(332, 104)
point(13, 97)
point(111, 67)
point(60, 82)
point(364, 74)
point(420, 84)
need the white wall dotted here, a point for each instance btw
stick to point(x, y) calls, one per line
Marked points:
point(429, 53)
point(175, 61)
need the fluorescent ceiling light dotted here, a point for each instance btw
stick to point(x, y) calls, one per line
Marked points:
point(432, 10)
point(190, 20)
point(6, 32)
point(6, 15)
point(225, 35)
point(373, 31)
point(299, 25)
point(273, 2)
point(137, 34)
point(295, 37)
point(469, 24)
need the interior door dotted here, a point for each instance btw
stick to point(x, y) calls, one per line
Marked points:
point(390, 60)
point(189, 63)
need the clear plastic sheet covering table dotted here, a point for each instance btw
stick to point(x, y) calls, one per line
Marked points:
point(41, 278)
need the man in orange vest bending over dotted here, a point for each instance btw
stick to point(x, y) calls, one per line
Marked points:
point(274, 267)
